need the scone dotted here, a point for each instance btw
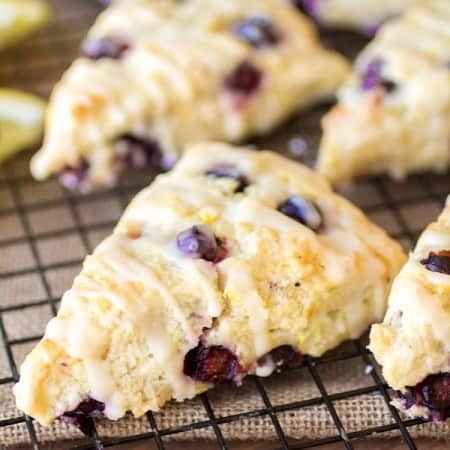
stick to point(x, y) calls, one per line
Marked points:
point(366, 15)
point(21, 121)
point(413, 342)
point(393, 115)
point(236, 262)
point(157, 75)
point(20, 18)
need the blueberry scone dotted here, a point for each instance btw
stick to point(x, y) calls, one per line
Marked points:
point(236, 262)
point(413, 342)
point(156, 75)
point(393, 115)
point(366, 15)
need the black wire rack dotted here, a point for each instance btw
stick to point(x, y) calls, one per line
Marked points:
point(404, 209)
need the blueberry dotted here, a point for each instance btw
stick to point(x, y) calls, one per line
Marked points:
point(258, 32)
point(74, 177)
point(433, 392)
point(245, 79)
point(438, 262)
point(372, 77)
point(137, 152)
point(226, 170)
point(82, 415)
point(200, 242)
point(303, 211)
point(106, 47)
point(282, 357)
point(215, 364)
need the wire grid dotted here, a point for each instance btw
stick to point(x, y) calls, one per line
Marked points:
point(24, 204)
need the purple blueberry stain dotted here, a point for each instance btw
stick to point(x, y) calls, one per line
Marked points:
point(136, 152)
point(213, 364)
point(310, 6)
point(438, 262)
point(433, 393)
point(370, 29)
point(82, 416)
point(245, 79)
point(73, 178)
point(372, 77)
point(227, 170)
point(199, 242)
point(279, 359)
point(298, 146)
point(112, 47)
point(307, 6)
point(302, 210)
point(258, 31)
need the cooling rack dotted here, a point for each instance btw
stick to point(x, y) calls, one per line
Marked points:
point(45, 232)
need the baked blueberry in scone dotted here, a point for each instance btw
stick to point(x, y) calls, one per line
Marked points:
point(364, 16)
point(393, 114)
point(157, 75)
point(413, 342)
point(236, 262)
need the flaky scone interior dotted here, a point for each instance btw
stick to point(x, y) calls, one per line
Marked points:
point(236, 262)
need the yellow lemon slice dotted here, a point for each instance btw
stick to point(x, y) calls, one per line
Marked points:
point(21, 121)
point(20, 18)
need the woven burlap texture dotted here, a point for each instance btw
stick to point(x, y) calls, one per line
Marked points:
point(35, 66)
point(360, 412)
point(50, 214)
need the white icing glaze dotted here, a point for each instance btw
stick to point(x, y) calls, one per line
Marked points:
point(265, 369)
point(140, 304)
point(414, 339)
point(407, 129)
point(103, 388)
point(350, 14)
point(238, 278)
point(170, 83)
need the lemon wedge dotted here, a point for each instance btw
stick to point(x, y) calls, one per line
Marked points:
point(21, 121)
point(20, 18)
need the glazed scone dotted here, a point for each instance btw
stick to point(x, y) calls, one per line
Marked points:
point(365, 16)
point(413, 342)
point(235, 262)
point(158, 75)
point(393, 115)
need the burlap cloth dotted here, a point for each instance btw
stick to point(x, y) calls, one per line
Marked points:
point(42, 227)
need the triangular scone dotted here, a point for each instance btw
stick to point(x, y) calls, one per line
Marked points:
point(365, 16)
point(163, 74)
point(393, 115)
point(413, 342)
point(234, 262)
